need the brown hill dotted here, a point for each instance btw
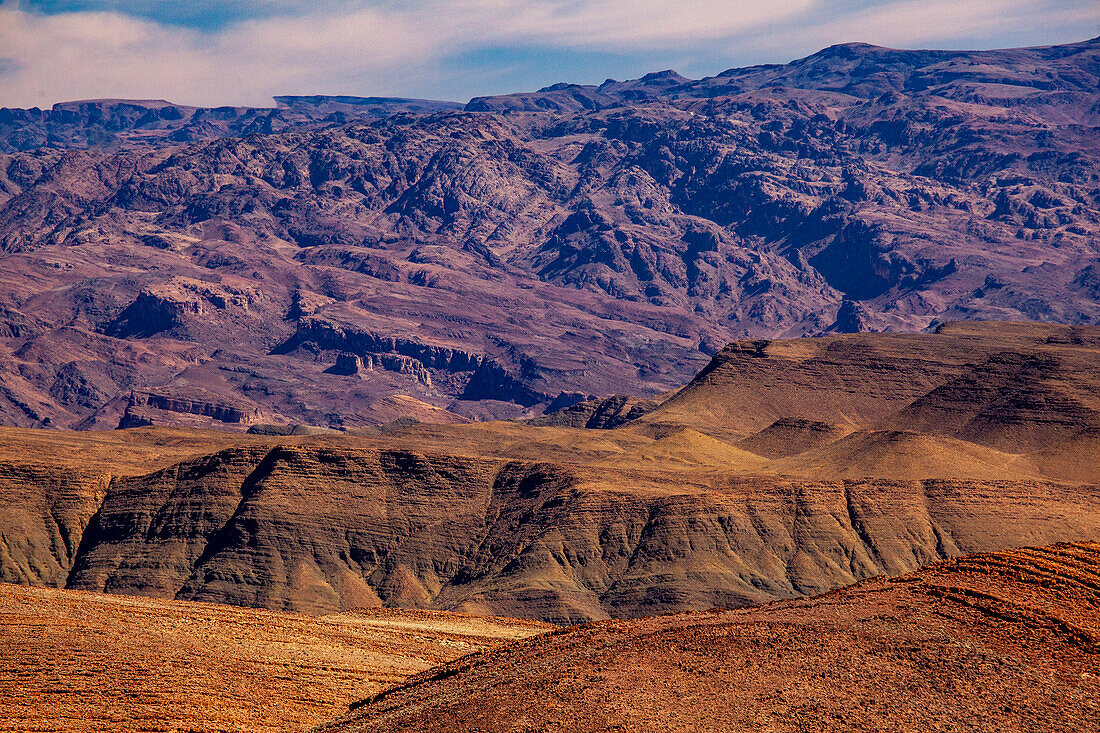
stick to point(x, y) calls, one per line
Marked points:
point(789, 436)
point(1004, 642)
point(1011, 386)
point(76, 661)
point(893, 453)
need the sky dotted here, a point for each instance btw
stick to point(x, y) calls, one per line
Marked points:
point(214, 52)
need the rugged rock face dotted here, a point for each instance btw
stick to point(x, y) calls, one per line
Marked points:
point(46, 512)
point(171, 306)
point(148, 408)
point(319, 530)
point(128, 124)
point(598, 413)
point(726, 494)
point(589, 240)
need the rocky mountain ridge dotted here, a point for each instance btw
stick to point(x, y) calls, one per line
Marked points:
point(578, 240)
point(122, 124)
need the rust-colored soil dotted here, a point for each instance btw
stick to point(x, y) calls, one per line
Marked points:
point(75, 661)
point(993, 642)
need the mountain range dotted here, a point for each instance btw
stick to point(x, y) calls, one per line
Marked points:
point(342, 262)
point(763, 401)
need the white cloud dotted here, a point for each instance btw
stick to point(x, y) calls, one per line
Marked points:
point(943, 24)
point(97, 54)
point(615, 24)
point(391, 47)
point(379, 47)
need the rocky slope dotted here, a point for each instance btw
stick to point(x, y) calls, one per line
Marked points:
point(535, 248)
point(727, 494)
point(1002, 641)
point(81, 662)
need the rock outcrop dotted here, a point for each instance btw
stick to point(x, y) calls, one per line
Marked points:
point(110, 124)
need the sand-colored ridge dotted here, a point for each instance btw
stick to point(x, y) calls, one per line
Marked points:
point(926, 380)
point(790, 436)
point(690, 447)
point(893, 453)
point(1075, 459)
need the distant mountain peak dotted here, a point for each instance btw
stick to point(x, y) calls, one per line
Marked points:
point(851, 49)
point(562, 86)
point(289, 99)
point(666, 74)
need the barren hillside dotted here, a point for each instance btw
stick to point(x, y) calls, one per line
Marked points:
point(785, 468)
point(1004, 642)
point(75, 661)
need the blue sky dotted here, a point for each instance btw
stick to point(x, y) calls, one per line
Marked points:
point(236, 52)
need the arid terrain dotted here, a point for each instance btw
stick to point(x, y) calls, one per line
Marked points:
point(991, 642)
point(785, 468)
point(996, 641)
point(87, 662)
point(344, 262)
point(766, 401)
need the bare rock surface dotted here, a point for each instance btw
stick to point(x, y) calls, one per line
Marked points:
point(786, 468)
point(576, 240)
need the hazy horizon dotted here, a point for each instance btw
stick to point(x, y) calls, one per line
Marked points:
point(231, 52)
